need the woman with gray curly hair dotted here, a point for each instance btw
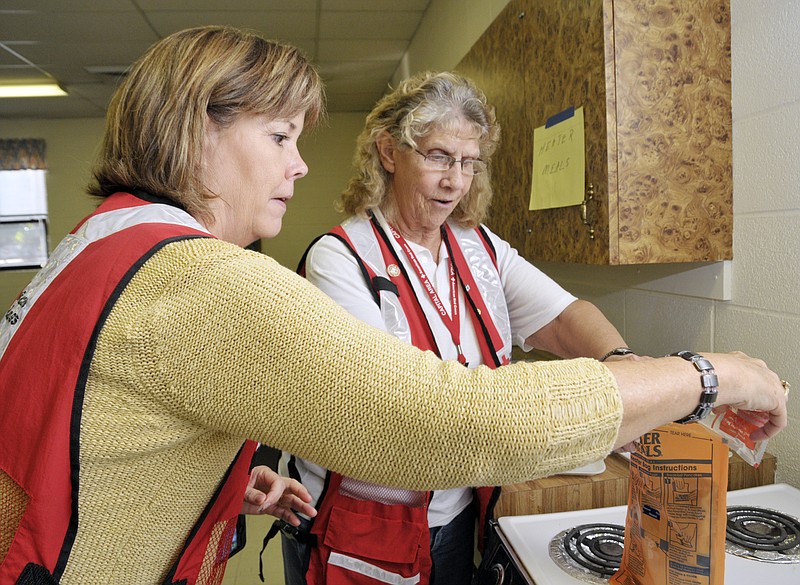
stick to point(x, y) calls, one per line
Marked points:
point(415, 259)
point(444, 101)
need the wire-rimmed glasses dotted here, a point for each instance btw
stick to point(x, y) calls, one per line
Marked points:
point(438, 161)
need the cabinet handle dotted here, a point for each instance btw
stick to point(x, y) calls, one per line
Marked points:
point(584, 209)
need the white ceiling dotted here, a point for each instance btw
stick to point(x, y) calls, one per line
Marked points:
point(84, 44)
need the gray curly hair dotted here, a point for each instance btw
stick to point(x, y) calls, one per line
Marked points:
point(419, 105)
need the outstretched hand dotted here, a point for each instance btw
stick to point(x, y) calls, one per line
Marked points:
point(765, 396)
point(270, 493)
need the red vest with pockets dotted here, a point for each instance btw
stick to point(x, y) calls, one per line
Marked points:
point(364, 542)
point(47, 342)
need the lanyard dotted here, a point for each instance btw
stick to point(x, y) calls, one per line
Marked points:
point(452, 321)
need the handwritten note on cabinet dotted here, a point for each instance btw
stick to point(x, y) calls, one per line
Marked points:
point(559, 162)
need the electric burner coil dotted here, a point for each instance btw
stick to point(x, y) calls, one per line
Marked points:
point(763, 534)
point(589, 552)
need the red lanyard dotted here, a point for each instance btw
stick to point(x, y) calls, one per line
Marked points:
point(452, 321)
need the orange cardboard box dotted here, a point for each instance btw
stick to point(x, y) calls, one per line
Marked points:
point(675, 524)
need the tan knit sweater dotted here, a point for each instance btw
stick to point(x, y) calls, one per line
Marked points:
point(210, 344)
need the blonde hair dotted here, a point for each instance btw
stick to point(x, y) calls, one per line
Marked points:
point(420, 105)
point(156, 120)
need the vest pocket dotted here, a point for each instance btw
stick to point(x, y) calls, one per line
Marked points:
point(365, 549)
point(13, 504)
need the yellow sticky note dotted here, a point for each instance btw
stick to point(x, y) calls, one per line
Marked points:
point(559, 164)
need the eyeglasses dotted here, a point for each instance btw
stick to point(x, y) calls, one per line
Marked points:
point(444, 162)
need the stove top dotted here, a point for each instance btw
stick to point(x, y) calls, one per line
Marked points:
point(533, 538)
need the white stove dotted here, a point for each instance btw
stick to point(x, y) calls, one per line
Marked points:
point(526, 543)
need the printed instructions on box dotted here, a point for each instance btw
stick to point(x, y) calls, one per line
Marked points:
point(675, 525)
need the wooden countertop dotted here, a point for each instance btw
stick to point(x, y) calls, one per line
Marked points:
point(563, 493)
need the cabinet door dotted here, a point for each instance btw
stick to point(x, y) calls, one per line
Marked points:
point(672, 73)
point(535, 60)
point(496, 64)
point(654, 84)
point(566, 66)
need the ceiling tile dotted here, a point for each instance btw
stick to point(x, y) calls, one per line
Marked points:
point(275, 25)
point(357, 44)
point(361, 50)
point(387, 5)
point(371, 25)
point(217, 5)
point(68, 5)
point(68, 26)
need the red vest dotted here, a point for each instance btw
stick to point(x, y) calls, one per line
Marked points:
point(363, 541)
point(47, 343)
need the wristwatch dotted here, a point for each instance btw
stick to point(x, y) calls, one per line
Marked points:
point(617, 351)
point(708, 379)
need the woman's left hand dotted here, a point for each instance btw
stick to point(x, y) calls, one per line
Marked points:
point(270, 493)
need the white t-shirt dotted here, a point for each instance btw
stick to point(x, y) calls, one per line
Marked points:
point(533, 301)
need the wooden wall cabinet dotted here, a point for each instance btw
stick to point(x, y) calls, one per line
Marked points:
point(654, 80)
